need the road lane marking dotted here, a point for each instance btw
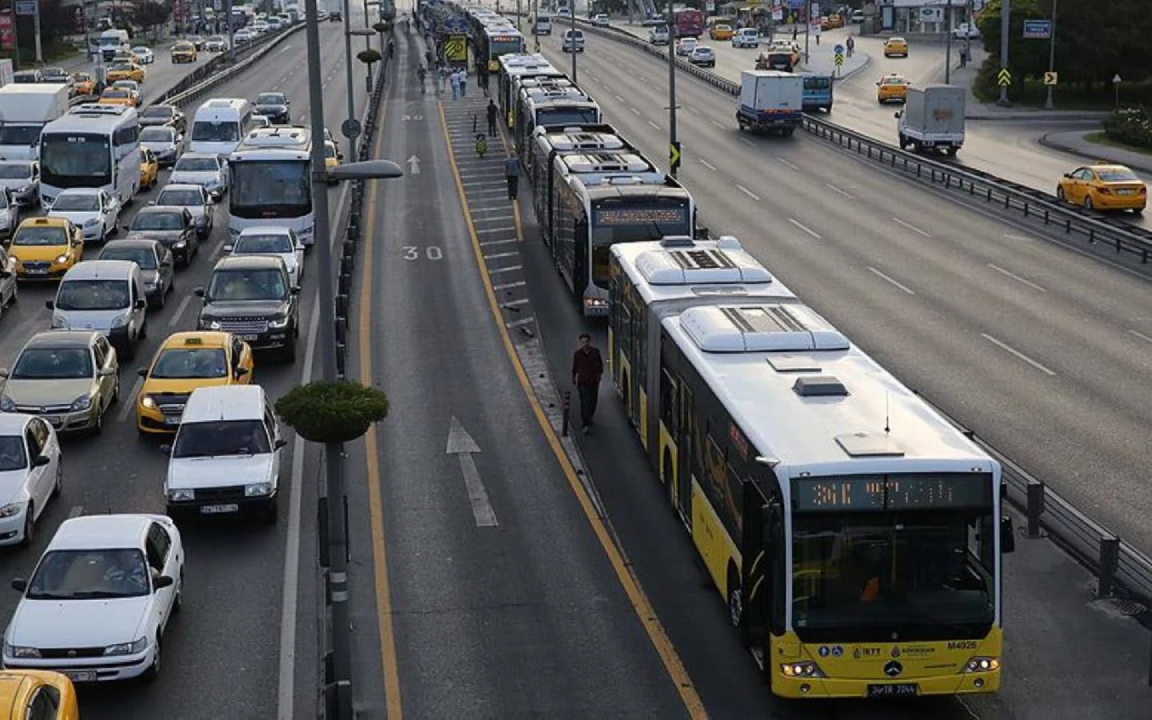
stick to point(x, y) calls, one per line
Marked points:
point(746, 141)
point(509, 286)
point(653, 124)
point(128, 404)
point(510, 268)
point(747, 192)
point(894, 282)
point(1141, 335)
point(461, 444)
point(788, 163)
point(490, 243)
point(1016, 277)
point(911, 227)
point(518, 323)
point(835, 189)
point(804, 227)
point(624, 572)
point(175, 319)
point(1018, 354)
point(1025, 238)
point(717, 123)
point(707, 164)
point(497, 256)
point(618, 98)
point(635, 111)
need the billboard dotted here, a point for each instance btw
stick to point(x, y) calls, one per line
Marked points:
point(7, 31)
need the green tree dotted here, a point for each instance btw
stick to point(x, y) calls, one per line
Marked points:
point(150, 15)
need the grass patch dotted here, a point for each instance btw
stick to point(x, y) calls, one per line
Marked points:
point(1101, 138)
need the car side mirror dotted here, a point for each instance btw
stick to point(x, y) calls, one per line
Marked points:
point(199, 292)
point(5, 274)
point(49, 304)
point(41, 461)
point(279, 444)
point(151, 202)
point(19, 584)
point(241, 372)
point(1007, 535)
point(896, 115)
point(229, 248)
point(1067, 175)
point(140, 304)
point(106, 372)
point(142, 371)
point(162, 582)
point(339, 156)
point(166, 449)
point(295, 290)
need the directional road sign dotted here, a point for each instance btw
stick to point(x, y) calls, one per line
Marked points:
point(1050, 78)
point(674, 155)
point(25, 7)
point(839, 49)
point(1004, 78)
point(839, 59)
point(1037, 29)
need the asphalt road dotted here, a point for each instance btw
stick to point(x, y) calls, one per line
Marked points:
point(222, 657)
point(160, 76)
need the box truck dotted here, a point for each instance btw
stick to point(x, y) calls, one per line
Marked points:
point(932, 119)
point(771, 101)
point(24, 111)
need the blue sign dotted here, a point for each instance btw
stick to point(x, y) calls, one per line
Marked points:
point(839, 49)
point(25, 7)
point(1037, 29)
point(457, 25)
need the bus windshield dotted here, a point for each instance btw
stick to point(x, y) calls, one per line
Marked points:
point(567, 116)
point(270, 189)
point(76, 160)
point(633, 219)
point(921, 573)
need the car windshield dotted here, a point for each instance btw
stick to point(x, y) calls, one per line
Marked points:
point(142, 256)
point(1117, 175)
point(12, 455)
point(208, 131)
point(156, 134)
point(41, 235)
point(77, 202)
point(191, 363)
point(270, 99)
point(261, 284)
point(121, 67)
point(115, 93)
point(53, 364)
point(196, 164)
point(222, 437)
point(263, 244)
point(158, 221)
point(90, 574)
point(92, 295)
point(180, 196)
point(157, 111)
point(20, 134)
point(14, 171)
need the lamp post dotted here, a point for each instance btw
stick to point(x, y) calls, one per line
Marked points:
point(348, 74)
point(1051, 56)
point(572, 36)
point(672, 144)
point(948, 43)
point(337, 580)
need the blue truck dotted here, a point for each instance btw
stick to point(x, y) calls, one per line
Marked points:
point(817, 92)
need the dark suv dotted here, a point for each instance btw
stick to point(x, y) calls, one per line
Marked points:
point(252, 297)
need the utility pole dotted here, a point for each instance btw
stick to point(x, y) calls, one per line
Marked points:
point(1051, 56)
point(968, 35)
point(572, 31)
point(36, 29)
point(948, 43)
point(231, 29)
point(351, 154)
point(1005, 31)
point(673, 144)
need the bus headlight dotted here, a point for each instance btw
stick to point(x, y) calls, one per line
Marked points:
point(982, 664)
point(804, 669)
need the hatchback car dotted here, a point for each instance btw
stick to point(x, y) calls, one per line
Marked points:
point(600, 20)
point(171, 226)
point(272, 240)
point(93, 210)
point(100, 599)
point(892, 88)
point(1104, 187)
point(157, 267)
point(685, 46)
point(702, 56)
point(274, 106)
point(658, 35)
point(203, 169)
point(195, 199)
point(164, 141)
point(746, 38)
point(573, 41)
point(184, 362)
point(45, 248)
point(895, 46)
point(30, 475)
point(67, 377)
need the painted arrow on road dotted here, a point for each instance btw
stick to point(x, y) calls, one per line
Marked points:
point(414, 169)
point(461, 444)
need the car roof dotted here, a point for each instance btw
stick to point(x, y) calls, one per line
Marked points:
point(101, 531)
point(62, 339)
point(1109, 166)
point(243, 262)
point(158, 209)
point(207, 338)
point(100, 270)
point(80, 191)
point(224, 402)
point(13, 423)
point(180, 186)
point(194, 155)
point(131, 242)
point(45, 222)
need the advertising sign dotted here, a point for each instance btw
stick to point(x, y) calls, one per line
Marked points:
point(7, 32)
point(25, 7)
point(1037, 29)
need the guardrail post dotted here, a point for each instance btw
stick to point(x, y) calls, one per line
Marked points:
point(1035, 508)
point(1109, 559)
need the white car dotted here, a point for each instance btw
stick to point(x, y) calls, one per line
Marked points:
point(202, 169)
point(216, 43)
point(164, 141)
point(9, 213)
point(93, 209)
point(22, 177)
point(746, 37)
point(600, 20)
point(260, 121)
point(243, 35)
point(965, 31)
point(658, 35)
point(271, 240)
point(99, 600)
point(145, 55)
point(30, 474)
point(685, 46)
point(9, 290)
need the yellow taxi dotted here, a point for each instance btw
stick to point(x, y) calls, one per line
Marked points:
point(124, 71)
point(149, 169)
point(37, 695)
point(127, 57)
point(721, 32)
point(831, 22)
point(332, 157)
point(894, 46)
point(118, 96)
point(184, 362)
point(46, 247)
point(892, 88)
point(183, 52)
point(84, 83)
point(1103, 187)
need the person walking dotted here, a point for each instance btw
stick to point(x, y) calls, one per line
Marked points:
point(851, 45)
point(443, 76)
point(512, 175)
point(463, 81)
point(493, 113)
point(454, 78)
point(587, 369)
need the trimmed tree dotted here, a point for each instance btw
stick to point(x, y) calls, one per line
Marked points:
point(332, 411)
point(369, 56)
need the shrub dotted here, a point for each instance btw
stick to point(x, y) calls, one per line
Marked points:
point(1130, 126)
point(368, 56)
point(332, 411)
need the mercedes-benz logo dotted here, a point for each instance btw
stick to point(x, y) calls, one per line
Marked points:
point(893, 668)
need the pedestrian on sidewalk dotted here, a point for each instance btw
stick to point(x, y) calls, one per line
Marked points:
point(587, 369)
point(454, 78)
point(851, 44)
point(795, 31)
point(463, 81)
point(512, 175)
point(493, 113)
point(443, 73)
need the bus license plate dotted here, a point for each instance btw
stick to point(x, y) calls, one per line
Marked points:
point(895, 690)
point(219, 509)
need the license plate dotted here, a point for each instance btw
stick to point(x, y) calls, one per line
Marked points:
point(895, 690)
point(248, 338)
point(37, 271)
point(172, 420)
point(219, 509)
point(81, 675)
point(1125, 192)
point(52, 419)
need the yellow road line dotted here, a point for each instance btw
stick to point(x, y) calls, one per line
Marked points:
point(631, 584)
point(372, 453)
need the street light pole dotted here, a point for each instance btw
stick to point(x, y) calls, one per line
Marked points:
point(1051, 56)
point(672, 144)
point(348, 77)
point(968, 35)
point(572, 37)
point(948, 43)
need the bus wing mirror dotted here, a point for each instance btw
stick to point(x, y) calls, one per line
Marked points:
point(1007, 535)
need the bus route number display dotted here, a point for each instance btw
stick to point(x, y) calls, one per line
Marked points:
point(640, 216)
point(892, 492)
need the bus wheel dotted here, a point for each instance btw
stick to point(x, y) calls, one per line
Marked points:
point(735, 597)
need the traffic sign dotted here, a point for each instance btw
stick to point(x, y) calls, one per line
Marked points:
point(1004, 78)
point(25, 7)
point(839, 59)
point(455, 49)
point(350, 128)
point(1050, 78)
point(1037, 29)
point(674, 156)
point(839, 49)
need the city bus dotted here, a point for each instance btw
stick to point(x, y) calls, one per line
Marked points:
point(689, 22)
point(552, 107)
point(598, 199)
point(854, 533)
point(514, 69)
point(497, 41)
point(271, 182)
point(538, 158)
point(93, 146)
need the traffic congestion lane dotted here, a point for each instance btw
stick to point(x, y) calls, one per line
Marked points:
point(496, 578)
point(921, 302)
point(228, 637)
point(161, 75)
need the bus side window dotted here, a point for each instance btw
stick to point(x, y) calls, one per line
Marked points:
point(669, 405)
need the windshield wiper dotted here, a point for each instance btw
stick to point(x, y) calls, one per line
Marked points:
point(90, 594)
point(49, 596)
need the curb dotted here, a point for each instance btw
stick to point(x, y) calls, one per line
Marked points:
point(1043, 140)
point(1071, 116)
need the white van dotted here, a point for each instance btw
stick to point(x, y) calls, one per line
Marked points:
point(573, 41)
point(219, 125)
point(542, 24)
point(113, 42)
point(103, 295)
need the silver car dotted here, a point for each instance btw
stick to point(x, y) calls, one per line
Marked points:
point(9, 214)
point(271, 240)
point(164, 141)
point(204, 169)
point(22, 178)
point(193, 197)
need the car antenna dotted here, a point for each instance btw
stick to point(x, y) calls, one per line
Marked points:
point(887, 417)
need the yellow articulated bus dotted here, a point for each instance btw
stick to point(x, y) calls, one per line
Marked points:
point(855, 534)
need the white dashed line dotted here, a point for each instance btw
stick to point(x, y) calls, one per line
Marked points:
point(1018, 354)
point(707, 164)
point(879, 274)
point(175, 319)
point(653, 124)
point(1140, 335)
point(635, 111)
point(913, 228)
point(747, 192)
point(788, 163)
point(806, 229)
point(128, 402)
point(837, 190)
point(746, 141)
point(1016, 277)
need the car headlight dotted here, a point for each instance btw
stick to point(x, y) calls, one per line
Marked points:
point(982, 664)
point(60, 259)
point(11, 509)
point(803, 669)
point(92, 223)
point(120, 320)
point(278, 323)
point(148, 402)
point(212, 324)
point(180, 494)
point(6, 404)
point(20, 652)
point(82, 403)
point(181, 243)
point(257, 489)
point(128, 648)
point(151, 284)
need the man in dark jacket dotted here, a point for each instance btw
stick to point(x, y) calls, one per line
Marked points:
point(493, 113)
point(587, 369)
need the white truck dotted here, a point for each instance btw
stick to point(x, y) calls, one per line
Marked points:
point(113, 42)
point(932, 119)
point(24, 111)
point(770, 100)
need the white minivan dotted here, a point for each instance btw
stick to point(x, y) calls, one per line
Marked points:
point(573, 41)
point(107, 296)
point(219, 125)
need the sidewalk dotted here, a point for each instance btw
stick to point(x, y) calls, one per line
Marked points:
point(1073, 142)
point(822, 57)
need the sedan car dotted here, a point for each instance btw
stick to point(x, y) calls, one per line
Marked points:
point(197, 41)
point(183, 52)
point(184, 362)
point(685, 46)
point(195, 199)
point(118, 96)
point(202, 169)
point(274, 106)
point(600, 20)
point(145, 54)
point(45, 248)
point(964, 31)
point(335, 16)
point(149, 169)
point(721, 32)
point(124, 71)
point(93, 210)
point(894, 46)
point(22, 177)
point(30, 474)
point(702, 56)
point(157, 266)
point(164, 141)
point(67, 377)
point(131, 86)
point(216, 43)
point(272, 240)
point(99, 600)
point(172, 226)
point(243, 35)
point(1104, 187)
point(163, 115)
point(9, 213)
point(892, 88)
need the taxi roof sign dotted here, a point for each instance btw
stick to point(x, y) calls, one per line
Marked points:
point(193, 341)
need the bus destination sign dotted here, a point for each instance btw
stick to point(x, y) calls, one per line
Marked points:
point(892, 492)
point(641, 216)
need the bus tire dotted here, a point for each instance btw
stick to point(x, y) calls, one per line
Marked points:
point(735, 596)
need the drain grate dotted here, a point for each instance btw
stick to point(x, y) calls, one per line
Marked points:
point(1128, 607)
